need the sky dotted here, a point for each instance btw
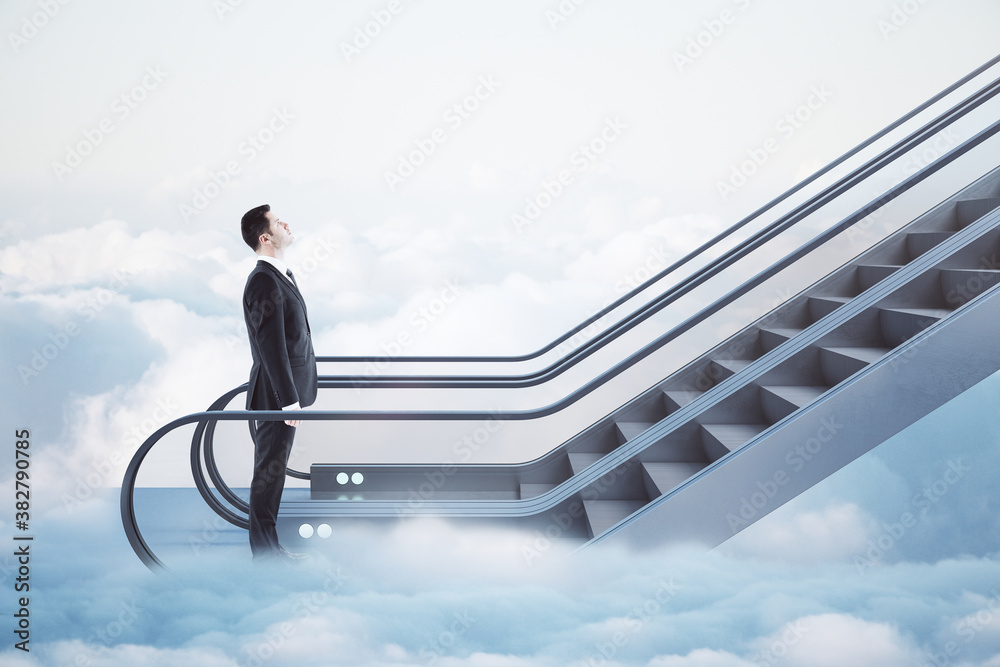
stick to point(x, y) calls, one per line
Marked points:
point(462, 178)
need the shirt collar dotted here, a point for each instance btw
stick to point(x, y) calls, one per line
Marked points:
point(276, 263)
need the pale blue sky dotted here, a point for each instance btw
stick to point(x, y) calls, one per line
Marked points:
point(106, 249)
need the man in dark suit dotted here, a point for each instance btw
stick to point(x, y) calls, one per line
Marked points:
point(283, 375)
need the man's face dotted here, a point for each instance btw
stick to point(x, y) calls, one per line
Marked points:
point(279, 234)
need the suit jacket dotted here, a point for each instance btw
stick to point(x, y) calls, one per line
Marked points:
point(284, 363)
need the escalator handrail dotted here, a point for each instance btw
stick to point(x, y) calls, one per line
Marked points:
point(691, 255)
point(676, 291)
point(661, 341)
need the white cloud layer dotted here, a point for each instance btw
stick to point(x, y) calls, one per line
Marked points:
point(426, 592)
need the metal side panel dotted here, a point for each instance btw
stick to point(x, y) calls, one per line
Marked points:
point(580, 470)
point(919, 376)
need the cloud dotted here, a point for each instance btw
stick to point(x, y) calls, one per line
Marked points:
point(834, 534)
point(433, 592)
point(397, 587)
point(700, 658)
point(108, 254)
point(832, 640)
point(125, 373)
point(76, 652)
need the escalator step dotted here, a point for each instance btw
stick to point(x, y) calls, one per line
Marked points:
point(772, 338)
point(871, 274)
point(580, 461)
point(917, 243)
point(779, 402)
point(628, 430)
point(962, 285)
point(797, 395)
point(604, 514)
point(821, 306)
point(677, 399)
point(664, 476)
point(728, 367)
point(720, 439)
point(840, 363)
point(901, 324)
point(969, 210)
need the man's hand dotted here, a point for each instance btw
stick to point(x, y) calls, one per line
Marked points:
point(293, 422)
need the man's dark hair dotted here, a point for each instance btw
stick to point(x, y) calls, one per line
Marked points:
point(254, 224)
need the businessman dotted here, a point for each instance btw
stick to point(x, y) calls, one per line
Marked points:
point(283, 375)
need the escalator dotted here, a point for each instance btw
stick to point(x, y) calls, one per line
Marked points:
point(685, 421)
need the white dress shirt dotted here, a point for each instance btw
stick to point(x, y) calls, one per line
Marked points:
point(278, 264)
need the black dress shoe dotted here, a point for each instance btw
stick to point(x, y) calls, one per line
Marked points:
point(279, 557)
